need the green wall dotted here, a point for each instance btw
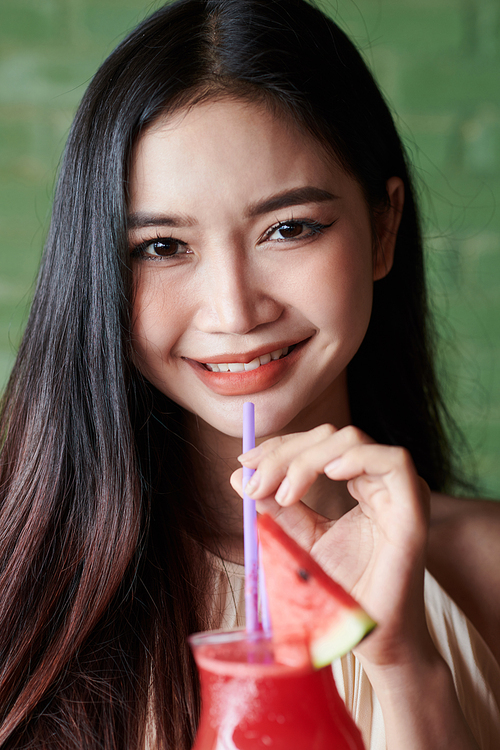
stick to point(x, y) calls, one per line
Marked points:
point(438, 62)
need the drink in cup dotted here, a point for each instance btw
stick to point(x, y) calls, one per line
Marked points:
point(251, 701)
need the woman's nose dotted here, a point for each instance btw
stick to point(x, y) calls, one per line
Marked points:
point(234, 296)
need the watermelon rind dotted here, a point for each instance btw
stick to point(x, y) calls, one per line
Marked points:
point(341, 638)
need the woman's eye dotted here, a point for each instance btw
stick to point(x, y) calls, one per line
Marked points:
point(289, 231)
point(164, 247)
point(295, 230)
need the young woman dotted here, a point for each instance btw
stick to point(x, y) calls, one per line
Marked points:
point(234, 220)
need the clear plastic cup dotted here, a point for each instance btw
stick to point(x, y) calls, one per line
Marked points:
point(250, 700)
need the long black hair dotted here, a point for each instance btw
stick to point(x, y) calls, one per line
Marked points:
point(100, 552)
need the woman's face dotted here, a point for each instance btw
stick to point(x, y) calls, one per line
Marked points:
point(253, 264)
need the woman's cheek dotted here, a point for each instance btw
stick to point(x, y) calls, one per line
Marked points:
point(155, 326)
point(340, 291)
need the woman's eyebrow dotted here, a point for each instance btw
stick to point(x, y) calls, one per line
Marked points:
point(294, 197)
point(141, 219)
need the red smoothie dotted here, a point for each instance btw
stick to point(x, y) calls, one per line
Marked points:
point(250, 701)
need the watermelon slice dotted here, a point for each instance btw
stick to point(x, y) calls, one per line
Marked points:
point(304, 602)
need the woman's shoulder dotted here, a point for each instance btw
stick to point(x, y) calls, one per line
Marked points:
point(464, 556)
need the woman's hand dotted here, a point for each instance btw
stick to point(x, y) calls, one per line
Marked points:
point(377, 549)
point(377, 552)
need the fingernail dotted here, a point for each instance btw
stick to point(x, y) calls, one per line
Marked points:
point(253, 453)
point(333, 466)
point(282, 491)
point(252, 483)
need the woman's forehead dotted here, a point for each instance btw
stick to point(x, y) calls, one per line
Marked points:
point(223, 142)
point(223, 109)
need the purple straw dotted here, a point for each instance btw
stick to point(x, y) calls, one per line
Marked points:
point(250, 529)
point(264, 604)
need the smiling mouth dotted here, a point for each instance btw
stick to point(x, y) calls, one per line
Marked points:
point(264, 359)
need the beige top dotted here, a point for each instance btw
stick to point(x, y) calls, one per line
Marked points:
point(475, 671)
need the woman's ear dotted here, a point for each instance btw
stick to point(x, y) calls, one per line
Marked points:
point(386, 227)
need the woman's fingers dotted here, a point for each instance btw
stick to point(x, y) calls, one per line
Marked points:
point(300, 522)
point(384, 481)
point(252, 457)
point(381, 478)
point(288, 467)
point(272, 462)
point(272, 458)
point(369, 464)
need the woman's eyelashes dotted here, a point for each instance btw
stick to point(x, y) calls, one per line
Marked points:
point(164, 248)
point(294, 229)
point(160, 249)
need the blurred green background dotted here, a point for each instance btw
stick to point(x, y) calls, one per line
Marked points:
point(438, 63)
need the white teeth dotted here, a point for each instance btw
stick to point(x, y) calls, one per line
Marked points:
point(265, 359)
point(236, 367)
point(247, 366)
point(252, 365)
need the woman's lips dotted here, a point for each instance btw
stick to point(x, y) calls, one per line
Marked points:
point(242, 379)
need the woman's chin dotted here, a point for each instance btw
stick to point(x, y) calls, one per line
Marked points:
point(270, 419)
